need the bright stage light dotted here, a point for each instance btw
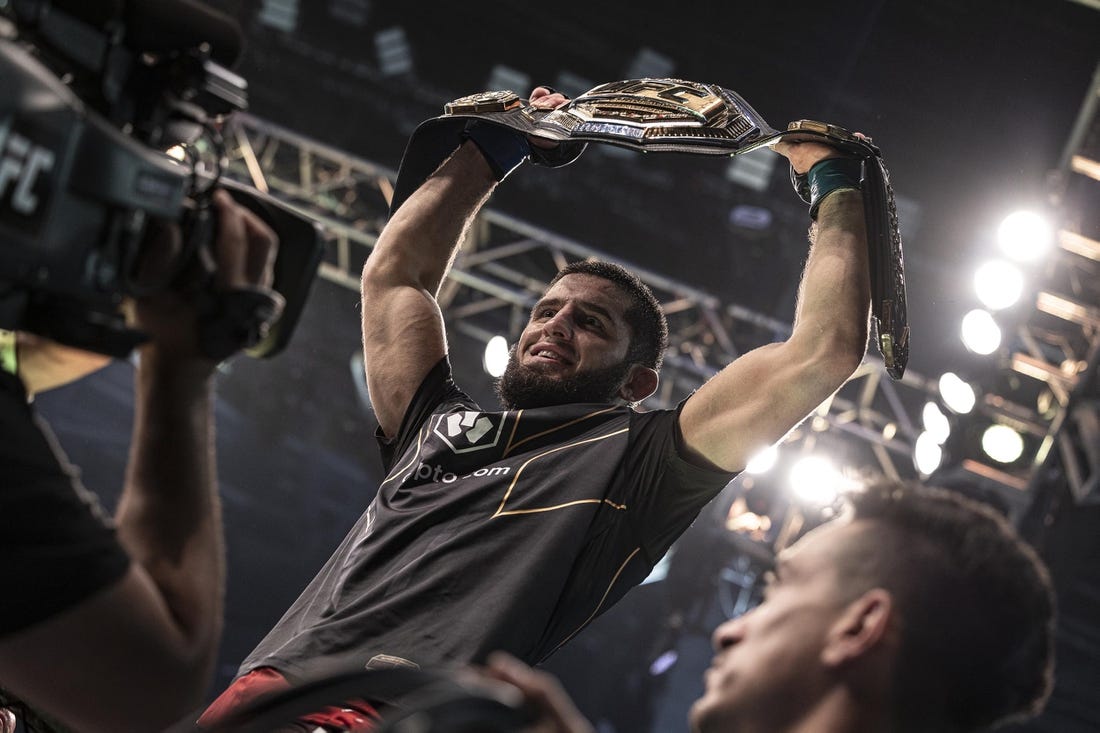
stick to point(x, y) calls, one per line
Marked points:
point(1002, 443)
point(936, 423)
point(980, 333)
point(762, 461)
point(1025, 236)
point(927, 453)
point(815, 481)
point(998, 284)
point(496, 356)
point(957, 394)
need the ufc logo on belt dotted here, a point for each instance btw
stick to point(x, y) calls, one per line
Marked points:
point(21, 163)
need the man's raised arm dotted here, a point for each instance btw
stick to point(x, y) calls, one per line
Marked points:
point(403, 334)
point(762, 395)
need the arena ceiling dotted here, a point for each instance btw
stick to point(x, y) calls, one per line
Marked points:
point(972, 104)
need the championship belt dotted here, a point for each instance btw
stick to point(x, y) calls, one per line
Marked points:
point(677, 116)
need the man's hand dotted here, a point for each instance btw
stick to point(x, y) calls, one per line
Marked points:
point(244, 251)
point(544, 98)
point(557, 713)
point(804, 155)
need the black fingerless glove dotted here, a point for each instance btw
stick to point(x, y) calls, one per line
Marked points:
point(504, 149)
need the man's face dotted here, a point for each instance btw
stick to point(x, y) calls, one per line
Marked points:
point(573, 348)
point(767, 669)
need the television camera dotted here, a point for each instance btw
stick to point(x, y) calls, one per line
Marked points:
point(94, 94)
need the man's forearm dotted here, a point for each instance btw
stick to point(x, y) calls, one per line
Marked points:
point(169, 516)
point(420, 241)
point(834, 296)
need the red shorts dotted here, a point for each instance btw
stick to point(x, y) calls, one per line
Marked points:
point(357, 716)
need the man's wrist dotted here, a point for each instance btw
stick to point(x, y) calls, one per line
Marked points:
point(829, 176)
point(165, 364)
point(503, 149)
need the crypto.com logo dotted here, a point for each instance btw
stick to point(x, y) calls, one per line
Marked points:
point(464, 432)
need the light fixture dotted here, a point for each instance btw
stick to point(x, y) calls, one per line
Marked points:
point(815, 481)
point(1002, 443)
point(572, 85)
point(664, 662)
point(751, 218)
point(393, 51)
point(998, 284)
point(1025, 236)
point(927, 453)
point(359, 379)
point(350, 12)
point(503, 78)
point(957, 394)
point(763, 460)
point(752, 170)
point(936, 424)
point(980, 333)
point(279, 14)
point(648, 63)
point(496, 356)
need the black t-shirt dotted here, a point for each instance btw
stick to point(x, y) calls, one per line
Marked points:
point(493, 530)
point(57, 547)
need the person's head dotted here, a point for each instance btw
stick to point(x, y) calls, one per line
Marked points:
point(597, 335)
point(918, 610)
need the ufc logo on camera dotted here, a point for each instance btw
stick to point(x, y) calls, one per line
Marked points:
point(23, 169)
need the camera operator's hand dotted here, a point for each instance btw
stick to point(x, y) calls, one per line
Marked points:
point(243, 255)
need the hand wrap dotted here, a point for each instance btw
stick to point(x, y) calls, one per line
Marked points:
point(504, 150)
point(826, 177)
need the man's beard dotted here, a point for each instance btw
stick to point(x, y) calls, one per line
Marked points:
point(526, 387)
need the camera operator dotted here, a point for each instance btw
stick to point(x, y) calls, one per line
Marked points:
point(114, 625)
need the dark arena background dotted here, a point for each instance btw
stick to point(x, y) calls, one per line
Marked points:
point(983, 109)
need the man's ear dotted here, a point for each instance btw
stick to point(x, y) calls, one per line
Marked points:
point(640, 383)
point(860, 629)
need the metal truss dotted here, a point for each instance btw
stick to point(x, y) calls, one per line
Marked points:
point(1061, 338)
point(506, 263)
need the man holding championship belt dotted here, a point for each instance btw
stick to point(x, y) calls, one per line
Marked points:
point(511, 529)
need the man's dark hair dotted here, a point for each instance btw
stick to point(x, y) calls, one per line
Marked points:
point(976, 606)
point(648, 326)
